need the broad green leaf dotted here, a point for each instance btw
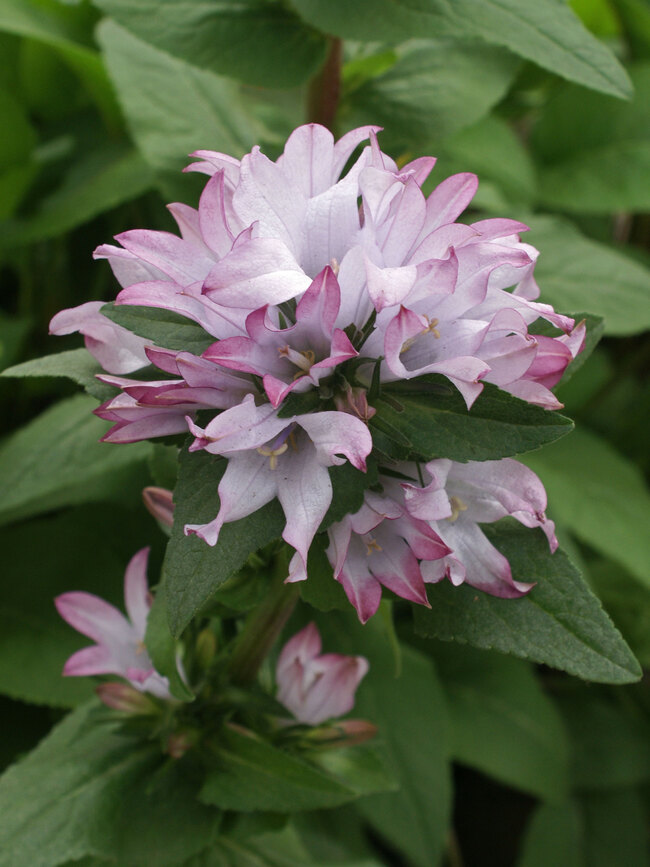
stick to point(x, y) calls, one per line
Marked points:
point(172, 108)
point(610, 745)
point(90, 790)
point(261, 43)
point(627, 602)
point(634, 15)
point(277, 849)
point(433, 424)
point(598, 830)
point(193, 570)
point(600, 496)
point(435, 88)
point(595, 150)
point(410, 712)
point(81, 555)
point(502, 723)
point(559, 623)
point(101, 180)
point(162, 646)
point(161, 327)
point(544, 31)
point(250, 774)
point(576, 273)
point(19, 136)
point(57, 460)
point(492, 150)
point(75, 364)
point(68, 31)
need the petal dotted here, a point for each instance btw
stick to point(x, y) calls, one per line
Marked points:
point(241, 427)
point(95, 618)
point(96, 659)
point(137, 598)
point(338, 433)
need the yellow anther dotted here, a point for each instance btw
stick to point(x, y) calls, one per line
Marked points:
point(431, 328)
point(273, 454)
point(140, 648)
point(457, 506)
point(334, 265)
point(371, 546)
point(310, 355)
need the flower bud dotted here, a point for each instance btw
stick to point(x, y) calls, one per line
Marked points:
point(206, 647)
point(355, 401)
point(317, 688)
point(345, 733)
point(159, 502)
point(122, 697)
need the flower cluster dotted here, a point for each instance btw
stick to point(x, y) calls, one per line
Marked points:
point(313, 277)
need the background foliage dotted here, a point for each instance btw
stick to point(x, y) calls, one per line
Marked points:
point(500, 761)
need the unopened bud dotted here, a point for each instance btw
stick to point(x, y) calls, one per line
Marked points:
point(206, 647)
point(121, 696)
point(346, 733)
point(355, 402)
point(159, 502)
point(180, 742)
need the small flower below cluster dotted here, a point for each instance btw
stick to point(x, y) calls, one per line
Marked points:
point(317, 687)
point(119, 641)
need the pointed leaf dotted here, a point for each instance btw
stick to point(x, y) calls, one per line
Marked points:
point(430, 423)
point(559, 623)
point(162, 327)
point(193, 570)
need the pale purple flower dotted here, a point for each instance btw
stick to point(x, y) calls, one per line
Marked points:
point(416, 533)
point(461, 497)
point(114, 347)
point(316, 687)
point(310, 280)
point(119, 641)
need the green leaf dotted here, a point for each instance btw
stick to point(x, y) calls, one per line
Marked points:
point(75, 364)
point(492, 150)
point(627, 602)
point(576, 273)
point(320, 589)
point(411, 715)
point(250, 774)
point(20, 136)
point(348, 488)
point(600, 496)
point(162, 647)
point(193, 570)
point(598, 830)
point(88, 789)
point(99, 181)
point(261, 43)
point(544, 31)
point(161, 327)
point(68, 31)
point(435, 88)
point(438, 425)
point(559, 623)
point(610, 745)
point(502, 723)
point(34, 640)
point(595, 150)
point(56, 460)
point(172, 108)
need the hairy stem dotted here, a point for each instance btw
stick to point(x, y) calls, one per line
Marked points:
point(263, 626)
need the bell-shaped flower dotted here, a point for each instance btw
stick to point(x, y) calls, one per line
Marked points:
point(382, 545)
point(317, 687)
point(287, 458)
point(119, 641)
point(461, 497)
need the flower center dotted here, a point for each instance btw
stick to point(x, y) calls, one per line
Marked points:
point(430, 329)
point(372, 545)
point(303, 359)
point(457, 506)
point(278, 446)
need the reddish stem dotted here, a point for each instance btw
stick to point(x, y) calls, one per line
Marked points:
point(325, 88)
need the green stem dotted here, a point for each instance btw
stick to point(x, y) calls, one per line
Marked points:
point(325, 88)
point(263, 626)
